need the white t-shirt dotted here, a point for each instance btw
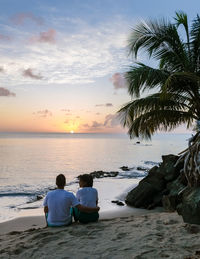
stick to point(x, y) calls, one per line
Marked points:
point(59, 203)
point(87, 196)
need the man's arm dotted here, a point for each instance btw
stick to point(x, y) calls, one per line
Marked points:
point(46, 209)
point(87, 209)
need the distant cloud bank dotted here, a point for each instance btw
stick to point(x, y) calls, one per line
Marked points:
point(43, 113)
point(104, 105)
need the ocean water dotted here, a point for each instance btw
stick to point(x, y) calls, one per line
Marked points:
point(29, 163)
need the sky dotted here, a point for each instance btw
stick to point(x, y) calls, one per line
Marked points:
point(62, 62)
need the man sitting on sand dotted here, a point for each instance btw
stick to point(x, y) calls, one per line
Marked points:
point(57, 205)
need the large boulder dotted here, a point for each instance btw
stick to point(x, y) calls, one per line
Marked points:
point(189, 208)
point(150, 190)
point(144, 194)
point(174, 193)
point(168, 169)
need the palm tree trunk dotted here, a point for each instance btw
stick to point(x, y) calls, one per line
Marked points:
point(191, 157)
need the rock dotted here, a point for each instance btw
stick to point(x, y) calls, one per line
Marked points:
point(189, 208)
point(167, 167)
point(140, 168)
point(174, 197)
point(39, 197)
point(169, 203)
point(120, 203)
point(150, 190)
point(142, 195)
point(101, 174)
point(125, 168)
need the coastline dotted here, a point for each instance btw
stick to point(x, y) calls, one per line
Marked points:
point(109, 188)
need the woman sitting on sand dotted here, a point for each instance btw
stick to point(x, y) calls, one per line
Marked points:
point(57, 205)
point(87, 196)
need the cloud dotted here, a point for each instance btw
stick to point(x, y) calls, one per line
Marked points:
point(109, 105)
point(94, 126)
point(118, 80)
point(105, 105)
point(20, 18)
point(65, 110)
point(82, 53)
point(86, 125)
point(43, 113)
point(2, 69)
point(45, 37)
point(111, 120)
point(4, 37)
point(29, 73)
point(6, 92)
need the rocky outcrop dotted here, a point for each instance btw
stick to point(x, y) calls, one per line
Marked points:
point(189, 207)
point(151, 189)
point(166, 186)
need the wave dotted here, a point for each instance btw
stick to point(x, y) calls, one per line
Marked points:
point(132, 174)
point(17, 194)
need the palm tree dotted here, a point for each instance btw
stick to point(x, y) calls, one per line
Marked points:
point(176, 79)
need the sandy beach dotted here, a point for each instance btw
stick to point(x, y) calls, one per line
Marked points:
point(145, 235)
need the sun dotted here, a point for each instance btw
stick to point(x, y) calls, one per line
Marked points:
point(71, 131)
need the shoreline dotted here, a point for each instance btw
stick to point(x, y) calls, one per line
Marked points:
point(109, 188)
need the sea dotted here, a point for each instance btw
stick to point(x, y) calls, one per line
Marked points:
point(30, 162)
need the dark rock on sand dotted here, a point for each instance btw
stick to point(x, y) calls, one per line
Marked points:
point(189, 208)
point(120, 203)
point(166, 185)
point(125, 168)
point(149, 193)
point(39, 197)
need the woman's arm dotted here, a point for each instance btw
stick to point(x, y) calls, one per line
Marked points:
point(87, 209)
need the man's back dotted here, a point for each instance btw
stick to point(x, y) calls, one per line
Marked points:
point(59, 203)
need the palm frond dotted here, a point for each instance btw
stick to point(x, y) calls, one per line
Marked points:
point(195, 44)
point(142, 77)
point(158, 38)
point(147, 124)
point(182, 83)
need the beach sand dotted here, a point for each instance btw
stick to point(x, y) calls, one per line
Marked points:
point(145, 235)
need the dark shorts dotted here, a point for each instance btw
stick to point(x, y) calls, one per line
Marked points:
point(83, 217)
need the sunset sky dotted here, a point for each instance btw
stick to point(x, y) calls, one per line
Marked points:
point(62, 61)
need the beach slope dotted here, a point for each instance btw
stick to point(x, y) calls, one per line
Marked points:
point(154, 235)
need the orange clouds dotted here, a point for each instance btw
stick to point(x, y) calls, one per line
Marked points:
point(43, 113)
